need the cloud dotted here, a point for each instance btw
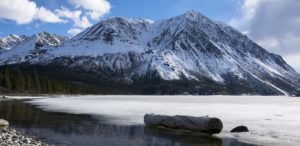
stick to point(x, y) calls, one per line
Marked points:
point(21, 11)
point(46, 15)
point(74, 16)
point(25, 11)
point(80, 21)
point(274, 24)
point(96, 8)
point(293, 60)
point(74, 31)
point(86, 11)
point(83, 23)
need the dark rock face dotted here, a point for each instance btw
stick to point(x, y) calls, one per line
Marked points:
point(240, 129)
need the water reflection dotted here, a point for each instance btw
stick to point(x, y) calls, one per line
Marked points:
point(83, 130)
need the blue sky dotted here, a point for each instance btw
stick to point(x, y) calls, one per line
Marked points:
point(273, 24)
point(150, 9)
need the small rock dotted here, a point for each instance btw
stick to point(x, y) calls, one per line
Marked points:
point(2, 128)
point(10, 137)
point(240, 129)
point(26, 141)
point(3, 122)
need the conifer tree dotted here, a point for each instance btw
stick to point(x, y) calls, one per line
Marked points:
point(18, 82)
point(6, 78)
point(37, 84)
point(29, 83)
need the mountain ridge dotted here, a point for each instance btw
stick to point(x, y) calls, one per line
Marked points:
point(188, 47)
point(30, 47)
point(11, 41)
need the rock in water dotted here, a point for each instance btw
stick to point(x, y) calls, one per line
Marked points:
point(3, 122)
point(198, 124)
point(240, 129)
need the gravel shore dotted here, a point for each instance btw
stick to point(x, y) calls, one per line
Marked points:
point(10, 137)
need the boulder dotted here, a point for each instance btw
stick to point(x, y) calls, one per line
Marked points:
point(3, 122)
point(240, 129)
point(180, 136)
point(197, 124)
point(3, 98)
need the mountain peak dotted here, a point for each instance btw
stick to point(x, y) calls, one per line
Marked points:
point(47, 39)
point(13, 36)
point(11, 41)
point(193, 15)
point(10, 37)
point(189, 46)
point(44, 34)
point(125, 21)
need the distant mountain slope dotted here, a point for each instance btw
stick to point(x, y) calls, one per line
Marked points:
point(11, 41)
point(31, 47)
point(188, 53)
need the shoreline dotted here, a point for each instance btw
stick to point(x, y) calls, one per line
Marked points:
point(9, 136)
point(273, 112)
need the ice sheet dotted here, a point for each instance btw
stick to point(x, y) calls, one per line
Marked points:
point(272, 120)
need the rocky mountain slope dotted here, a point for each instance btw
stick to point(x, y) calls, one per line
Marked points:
point(30, 47)
point(201, 55)
point(11, 41)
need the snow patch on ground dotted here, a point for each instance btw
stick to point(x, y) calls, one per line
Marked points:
point(272, 120)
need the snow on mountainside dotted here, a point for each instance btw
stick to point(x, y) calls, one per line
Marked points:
point(189, 46)
point(11, 41)
point(31, 47)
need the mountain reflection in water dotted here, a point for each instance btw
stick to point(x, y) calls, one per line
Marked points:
point(84, 130)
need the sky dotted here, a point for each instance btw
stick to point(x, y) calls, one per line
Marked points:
point(273, 24)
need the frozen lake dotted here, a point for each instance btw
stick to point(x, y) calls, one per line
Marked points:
point(272, 120)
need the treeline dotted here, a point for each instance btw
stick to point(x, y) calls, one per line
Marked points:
point(12, 79)
point(56, 79)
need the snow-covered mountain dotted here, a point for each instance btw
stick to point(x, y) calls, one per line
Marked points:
point(30, 47)
point(189, 48)
point(11, 41)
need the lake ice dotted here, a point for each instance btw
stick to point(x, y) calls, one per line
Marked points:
point(272, 120)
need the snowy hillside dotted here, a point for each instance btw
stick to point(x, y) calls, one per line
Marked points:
point(189, 47)
point(30, 47)
point(11, 41)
